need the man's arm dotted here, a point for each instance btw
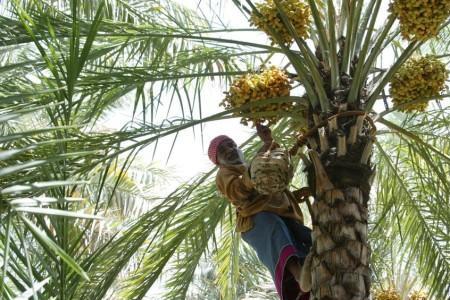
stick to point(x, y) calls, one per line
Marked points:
point(239, 191)
point(265, 134)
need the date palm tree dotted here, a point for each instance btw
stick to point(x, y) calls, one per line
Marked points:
point(67, 65)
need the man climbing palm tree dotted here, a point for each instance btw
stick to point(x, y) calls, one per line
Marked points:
point(271, 223)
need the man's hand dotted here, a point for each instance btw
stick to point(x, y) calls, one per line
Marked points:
point(264, 133)
point(302, 194)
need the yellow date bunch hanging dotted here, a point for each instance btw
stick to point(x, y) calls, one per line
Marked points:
point(420, 19)
point(390, 294)
point(297, 11)
point(416, 82)
point(250, 88)
point(418, 295)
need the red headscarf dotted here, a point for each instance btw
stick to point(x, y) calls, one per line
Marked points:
point(214, 145)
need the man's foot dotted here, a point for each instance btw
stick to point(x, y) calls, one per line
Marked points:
point(303, 296)
point(305, 274)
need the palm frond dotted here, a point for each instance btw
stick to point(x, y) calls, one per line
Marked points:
point(413, 195)
point(227, 258)
point(144, 232)
point(202, 217)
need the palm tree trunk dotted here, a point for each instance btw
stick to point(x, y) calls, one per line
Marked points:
point(340, 175)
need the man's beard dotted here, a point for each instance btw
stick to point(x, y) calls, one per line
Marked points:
point(233, 158)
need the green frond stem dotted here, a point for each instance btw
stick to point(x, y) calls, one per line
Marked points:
point(322, 33)
point(16, 274)
point(101, 79)
point(6, 99)
point(33, 164)
point(29, 269)
point(443, 56)
point(20, 112)
point(396, 108)
point(20, 36)
point(192, 37)
point(364, 30)
point(302, 73)
point(245, 10)
point(134, 32)
point(342, 18)
point(379, 41)
point(310, 59)
point(334, 66)
point(57, 212)
point(359, 78)
point(349, 9)
point(6, 250)
point(388, 75)
point(323, 99)
point(33, 289)
point(225, 30)
point(355, 27)
point(389, 39)
point(405, 133)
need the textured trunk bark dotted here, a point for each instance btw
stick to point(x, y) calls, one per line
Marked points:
point(340, 176)
point(340, 254)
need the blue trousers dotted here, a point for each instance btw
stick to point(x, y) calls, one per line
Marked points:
point(276, 240)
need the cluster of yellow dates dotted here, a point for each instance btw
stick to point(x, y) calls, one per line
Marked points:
point(418, 295)
point(392, 294)
point(419, 80)
point(269, 18)
point(251, 88)
point(389, 294)
point(420, 19)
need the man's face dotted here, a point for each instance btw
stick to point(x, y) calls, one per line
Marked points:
point(229, 154)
